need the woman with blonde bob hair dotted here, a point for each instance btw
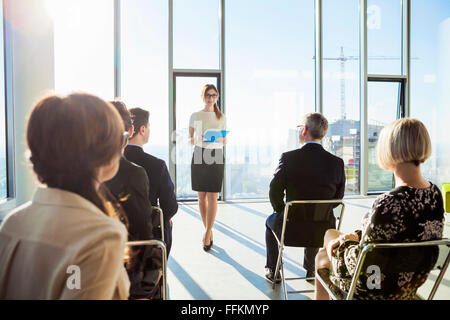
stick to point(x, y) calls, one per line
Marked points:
point(412, 211)
point(67, 243)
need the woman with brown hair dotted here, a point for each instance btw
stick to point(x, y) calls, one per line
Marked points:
point(207, 165)
point(67, 243)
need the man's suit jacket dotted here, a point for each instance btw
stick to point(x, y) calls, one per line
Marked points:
point(131, 187)
point(161, 185)
point(308, 173)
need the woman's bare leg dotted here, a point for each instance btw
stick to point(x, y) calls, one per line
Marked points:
point(203, 206)
point(330, 235)
point(323, 262)
point(210, 215)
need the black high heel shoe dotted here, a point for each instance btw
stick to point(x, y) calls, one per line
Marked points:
point(209, 246)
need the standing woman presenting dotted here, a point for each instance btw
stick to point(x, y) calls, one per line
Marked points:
point(207, 167)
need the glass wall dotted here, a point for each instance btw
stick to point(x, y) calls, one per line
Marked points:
point(430, 78)
point(341, 85)
point(269, 86)
point(84, 46)
point(382, 105)
point(196, 51)
point(188, 99)
point(384, 37)
point(269, 74)
point(144, 53)
point(196, 34)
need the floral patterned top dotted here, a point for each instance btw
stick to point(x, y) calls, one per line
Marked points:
point(404, 214)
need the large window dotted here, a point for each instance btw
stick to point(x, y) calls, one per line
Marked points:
point(268, 76)
point(196, 29)
point(341, 85)
point(384, 99)
point(384, 37)
point(187, 101)
point(269, 86)
point(84, 46)
point(144, 52)
point(430, 78)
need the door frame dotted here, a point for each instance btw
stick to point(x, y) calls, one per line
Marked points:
point(173, 118)
point(401, 107)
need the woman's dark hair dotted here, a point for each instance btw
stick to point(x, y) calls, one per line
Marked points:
point(70, 138)
point(206, 88)
point(140, 118)
point(124, 113)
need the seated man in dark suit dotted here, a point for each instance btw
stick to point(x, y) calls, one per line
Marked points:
point(161, 186)
point(307, 173)
point(130, 187)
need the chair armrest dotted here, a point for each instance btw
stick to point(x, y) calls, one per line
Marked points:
point(323, 275)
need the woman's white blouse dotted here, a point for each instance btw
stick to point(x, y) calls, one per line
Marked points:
point(202, 121)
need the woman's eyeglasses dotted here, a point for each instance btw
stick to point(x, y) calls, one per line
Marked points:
point(125, 137)
point(211, 96)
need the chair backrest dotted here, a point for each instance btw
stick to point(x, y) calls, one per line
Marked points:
point(306, 221)
point(394, 258)
point(158, 223)
point(149, 245)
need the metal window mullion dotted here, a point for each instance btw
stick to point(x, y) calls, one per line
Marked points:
point(222, 82)
point(364, 163)
point(172, 153)
point(406, 51)
point(318, 54)
point(197, 71)
point(117, 48)
point(9, 104)
point(385, 77)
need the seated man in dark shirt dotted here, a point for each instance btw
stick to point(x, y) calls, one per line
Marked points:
point(161, 186)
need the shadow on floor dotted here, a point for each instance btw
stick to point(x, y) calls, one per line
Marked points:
point(289, 264)
point(258, 281)
point(186, 280)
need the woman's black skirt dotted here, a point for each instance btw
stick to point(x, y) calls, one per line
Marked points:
point(207, 169)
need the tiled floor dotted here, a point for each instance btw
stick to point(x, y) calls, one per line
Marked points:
point(234, 268)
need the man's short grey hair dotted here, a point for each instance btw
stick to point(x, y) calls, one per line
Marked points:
point(317, 125)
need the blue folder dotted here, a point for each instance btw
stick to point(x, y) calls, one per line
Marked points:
point(213, 135)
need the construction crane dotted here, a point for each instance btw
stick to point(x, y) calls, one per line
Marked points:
point(342, 59)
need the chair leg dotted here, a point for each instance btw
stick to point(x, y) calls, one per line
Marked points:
point(439, 278)
point(283, 279)
point(280, 253)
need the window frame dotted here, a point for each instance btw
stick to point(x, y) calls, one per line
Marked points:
point(173, 116)
point(10, 201)
point(400, 112)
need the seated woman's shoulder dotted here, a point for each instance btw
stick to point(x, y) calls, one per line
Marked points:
point(108, 228)
point(386, 199)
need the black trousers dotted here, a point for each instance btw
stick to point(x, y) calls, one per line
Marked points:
point(168, 236)
point(275, 222)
